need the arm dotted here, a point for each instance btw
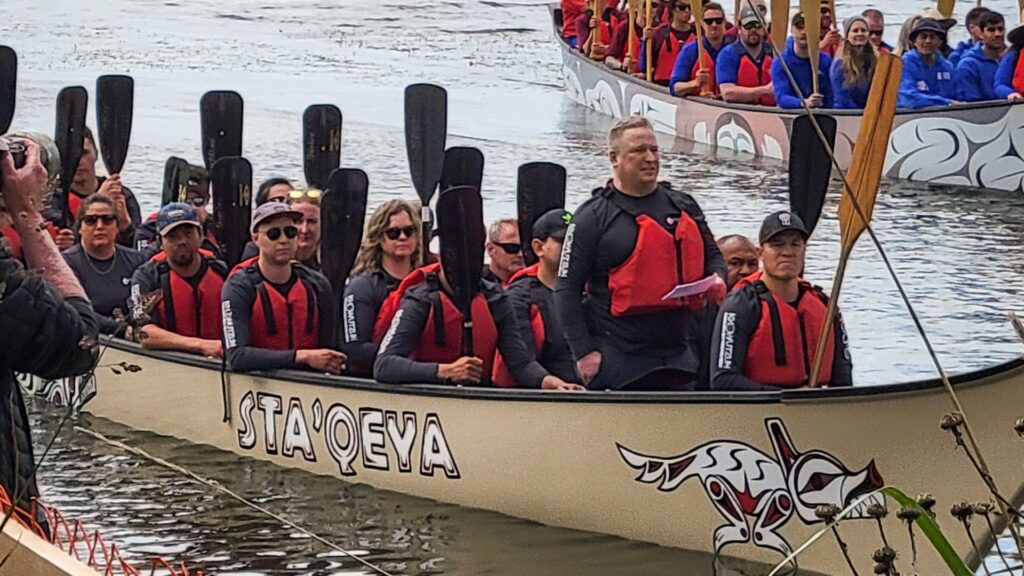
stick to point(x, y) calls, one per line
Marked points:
point(784, 96)
point(681, 83)
point(358, 314)
point(522, 363)
point(726, 73)
point(393, 364)
point(1004, 75)
point(735, 325)
point(840, 96)
point(237, 299)
point(578, 252)
point(842, 366)
point(127, 237)
point(967, 82)
point(910, 96)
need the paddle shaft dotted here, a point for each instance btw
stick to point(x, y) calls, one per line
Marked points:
point(812, 25)
point(632, 38)
point(780, 23)
point(697, 9)
point(647, 43)
point(946, 7)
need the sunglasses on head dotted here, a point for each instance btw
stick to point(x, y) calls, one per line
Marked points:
point(714, 21)
point(311, 193)
point(197, 201)
point(755, 25)
point(275, 233)
point(395, 233)
point(92, 219)
point(509, 247)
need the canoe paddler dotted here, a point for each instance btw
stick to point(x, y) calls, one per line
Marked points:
point(743, 68)
point(175, 296)
point(797, 57)
point(740, 255)
point(667, 41)
point(147, 235)
point(691, 77)
point(278, 313)
point(628, 246)
point(769, 325)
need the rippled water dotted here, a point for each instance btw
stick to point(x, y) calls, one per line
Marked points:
point(958, 251)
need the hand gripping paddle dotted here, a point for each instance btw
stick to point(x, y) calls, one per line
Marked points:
point(342, 211)
point(115, 97)
point(221, 122)
point(321, 143)
point(539, 189)
point(232, 205)
point(461, 221)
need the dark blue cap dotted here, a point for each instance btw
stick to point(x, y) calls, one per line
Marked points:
point(175, 214)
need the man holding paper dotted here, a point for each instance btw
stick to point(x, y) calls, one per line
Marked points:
point(768, 327)
point(632, 243)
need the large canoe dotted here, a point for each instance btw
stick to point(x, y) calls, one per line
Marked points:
point(977, 145)
point(738, 474)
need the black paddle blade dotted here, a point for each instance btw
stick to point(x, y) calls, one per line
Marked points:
point(426, 128)
point(232, 205)
point(115, 97)
point(539, 188)
point(463, 166)
point(221, 118)
point(460, 217)
point(321, 143)
point(342, 213)
point(176, 175)
point(69, 136)
point(810, 168)
point(8, 86)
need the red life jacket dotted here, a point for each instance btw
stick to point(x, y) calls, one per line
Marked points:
point(667, 54)
point(501, 376)
point(1018, 75)
point(571, 10)
point(389, 307)
point(709, 66)
point(277, 322)
point(781, 350)
point(187, 310)
point(74, 204)
point(750, 75)
point(659, 261)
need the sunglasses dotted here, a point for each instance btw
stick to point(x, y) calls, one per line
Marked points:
point(991, 29)
point(311, 193)
point(197, 201)
point(714, 21)
point(875, 33)
point(92, 219)
point(509, 247)
point(395, 233)
point(827, 11)
point(275, 233)
point(755, 25)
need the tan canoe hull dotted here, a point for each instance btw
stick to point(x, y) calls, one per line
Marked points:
point(22, 553)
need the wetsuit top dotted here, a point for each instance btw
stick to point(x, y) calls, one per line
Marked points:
point(394, 363)
point(555, 356)
point(237, 301)
point(107, 282)
point(364, 295)
point(600, 239)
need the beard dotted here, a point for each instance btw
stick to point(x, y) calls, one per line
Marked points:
point(183, 259)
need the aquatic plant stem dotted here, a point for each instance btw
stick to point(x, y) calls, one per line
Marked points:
point(845, 549)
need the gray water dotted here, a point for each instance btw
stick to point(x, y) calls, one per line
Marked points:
point(957, 250)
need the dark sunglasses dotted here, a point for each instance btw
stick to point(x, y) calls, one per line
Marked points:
point(92, 219)
point(509, 247)
point(197, 201)
point(825, 10)
point(995, 29)
point(714, 21)
point(755, 25)
point(395, 233)
point(275, 233)
point(875, 33)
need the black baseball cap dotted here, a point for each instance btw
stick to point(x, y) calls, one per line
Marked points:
point(551, 224)
point(781, 221)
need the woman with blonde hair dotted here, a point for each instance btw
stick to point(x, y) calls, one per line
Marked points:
point(852, 70)
point(308, 241)
point(390, 251)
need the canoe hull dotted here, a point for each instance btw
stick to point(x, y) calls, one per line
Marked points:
point(580, 461)
point(23, 552)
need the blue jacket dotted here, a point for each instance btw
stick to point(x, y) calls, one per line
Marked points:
point(801, 68)
point(976, 76)
point(847, 98)
point(1004, 74)
point(685, 61)
point(922, 85)
point(961, 49)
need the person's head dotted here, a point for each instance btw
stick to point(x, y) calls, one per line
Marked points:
point(180, 233)
point(876, 25)
point(751, 32)
point(798, 30)
point(972, 21)
point(273, 189)
point(274, 230)
point(198, 192)
point(680, 11)
point(633, 152)
point(308, 203)
point(740, 257)
point(97, 223)
point(783, 240)
point(394, 231)
point(85, 173)
point(857, 31)
point(714, 22)
point(827, 16)
point(927, 36)
point(503, 247)
point(858, 57)
point(903, 44)
point(547, 235)
point(993, 31)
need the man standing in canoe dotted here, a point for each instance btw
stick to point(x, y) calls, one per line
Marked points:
point(769, 325)
point(627, 247)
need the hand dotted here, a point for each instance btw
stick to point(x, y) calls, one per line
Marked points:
point(113, 189)
point(588, 366)
point(832, 38)
point(466, 370)
point(65, 239)
point(627, 63)
point(321, 360)
point(815, 100)
point(556, 383)
point(210, 348)
point(703, 79)
point(1015, 96)
point(25, 187)
point(647, 35)
point(593, 22)
point(598, 51)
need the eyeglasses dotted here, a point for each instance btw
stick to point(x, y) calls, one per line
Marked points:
point(754, 25)
point(197, 201)
point(311, 193)
point(509, 247)
point(92, 219)
point(714, 21)
point(395, 233)
point(275, 233)
point(876, 33)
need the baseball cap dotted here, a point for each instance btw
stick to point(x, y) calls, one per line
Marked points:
point(269, 210)
point(781, 221)
point(551, 224)
point(747, 15)
point(175, 214)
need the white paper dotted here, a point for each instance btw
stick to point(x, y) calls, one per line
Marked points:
point(683, 290)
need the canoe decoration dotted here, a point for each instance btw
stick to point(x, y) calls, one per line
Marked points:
point(743, 482)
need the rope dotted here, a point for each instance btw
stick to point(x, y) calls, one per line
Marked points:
point(211, 484)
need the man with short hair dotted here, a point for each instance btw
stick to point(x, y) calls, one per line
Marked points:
point(798, 59)
point(667, 40)
point(627, 247)
point(974, 33)
point(504, 251)
point(744, 68)
point(876, 29)
point(769, 326)
point(175, 296)
point(690, 76)
point(741, 259)
point(830, 39)
point(276, 312)
point(927, 76)
point(976, 71)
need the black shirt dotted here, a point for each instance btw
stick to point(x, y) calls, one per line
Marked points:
point(106, 282)
point(360, 305)
point(555, 356)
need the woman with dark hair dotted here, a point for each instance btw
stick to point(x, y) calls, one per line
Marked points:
point(390, 251)
point(852, 70)
point(275, 189)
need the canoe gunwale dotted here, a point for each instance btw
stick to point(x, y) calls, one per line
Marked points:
point(530, 395)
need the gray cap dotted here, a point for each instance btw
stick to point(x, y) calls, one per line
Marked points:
point(270, 210)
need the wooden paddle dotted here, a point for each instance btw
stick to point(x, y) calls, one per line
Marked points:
point(647, 44)
point(780, 24)
point(697, 10)
point(232, 205)
point(342, 212)
point(221, 114)
point(946, 7)
point(812, 25)
point(540, 187)
point(810, 167)
point(633, 7)
point(863, 177)
point(463, 166)
point(321, 143)
point(176, 176)
point(72, 103)
point(461, 221)
point(115, 102)
point(8, 86)
point(426, 128)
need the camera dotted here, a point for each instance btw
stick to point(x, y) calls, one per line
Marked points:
point(13, 143)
